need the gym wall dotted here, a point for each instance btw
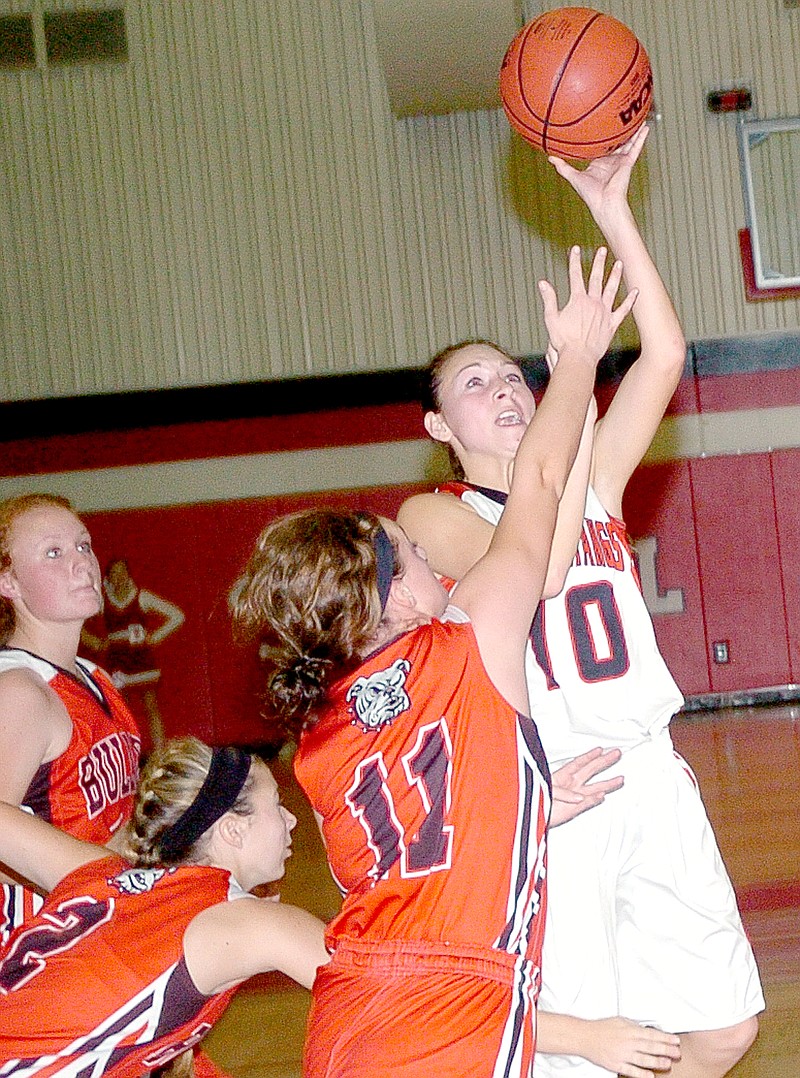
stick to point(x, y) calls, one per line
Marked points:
point(237, 201)
point(713, 510)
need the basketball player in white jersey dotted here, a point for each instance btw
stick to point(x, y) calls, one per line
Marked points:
point(642, 920)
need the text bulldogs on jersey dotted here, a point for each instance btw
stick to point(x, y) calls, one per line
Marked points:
point(108, 771)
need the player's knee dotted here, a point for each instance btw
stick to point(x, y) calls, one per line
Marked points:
point(718, 1050)
point(741, 1036)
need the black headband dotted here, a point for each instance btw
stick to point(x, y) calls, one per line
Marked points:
point(384, 563)
point(222, 785)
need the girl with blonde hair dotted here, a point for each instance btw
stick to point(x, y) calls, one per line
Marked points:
point(130, 962)
point(69, 746)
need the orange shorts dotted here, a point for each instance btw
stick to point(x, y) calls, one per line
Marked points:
point(415, 1010)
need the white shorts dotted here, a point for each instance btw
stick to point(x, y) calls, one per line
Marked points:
point(641, 917)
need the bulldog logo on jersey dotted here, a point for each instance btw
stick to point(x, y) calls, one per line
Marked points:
point(378, 699)
point(135, 881)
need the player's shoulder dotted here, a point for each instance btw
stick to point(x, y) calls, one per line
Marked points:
point(12, 659)
point(430, 506)
point(31, 712)
point(23, 686)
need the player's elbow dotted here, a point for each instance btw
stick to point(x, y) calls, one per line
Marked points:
point(554, 581)
point(673, 352)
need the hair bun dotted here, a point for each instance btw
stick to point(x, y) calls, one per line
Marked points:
point(301, 685)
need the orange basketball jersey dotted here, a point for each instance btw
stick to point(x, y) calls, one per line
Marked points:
point(434, 797)
point(97, 984)
point(88, 790)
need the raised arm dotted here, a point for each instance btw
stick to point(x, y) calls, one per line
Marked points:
point(501, 592)
point(452, 533)
point(626, 431)
point(571, 509)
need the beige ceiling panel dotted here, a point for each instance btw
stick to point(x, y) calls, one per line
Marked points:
point(444, 55)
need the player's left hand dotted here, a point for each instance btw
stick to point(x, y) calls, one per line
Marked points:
point(604, 181)
point(630, 1050)
point(573, 790)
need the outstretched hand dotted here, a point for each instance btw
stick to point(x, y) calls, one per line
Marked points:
point(630, 1050)
point(604, 182)
point(588, 320)
point(573, 790)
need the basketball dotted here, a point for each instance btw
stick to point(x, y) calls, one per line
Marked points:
point(576, 83)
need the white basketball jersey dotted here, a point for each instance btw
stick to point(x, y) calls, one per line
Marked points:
point(595, 674)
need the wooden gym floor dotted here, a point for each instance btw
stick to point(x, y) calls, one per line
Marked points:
point(748, 764)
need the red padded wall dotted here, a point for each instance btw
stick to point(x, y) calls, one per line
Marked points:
point(786, 481)
point(191, 555)
point(740, 571)
point(658, 502)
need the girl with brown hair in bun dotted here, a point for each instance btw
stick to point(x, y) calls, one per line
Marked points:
point(418, 754)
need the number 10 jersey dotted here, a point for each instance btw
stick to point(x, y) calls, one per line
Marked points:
point(595, 674)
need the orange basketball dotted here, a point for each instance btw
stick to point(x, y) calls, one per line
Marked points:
point(576, 83)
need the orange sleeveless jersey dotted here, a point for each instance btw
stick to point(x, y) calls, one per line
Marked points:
point(88, 790)
point(97, 984)
point(434, 797)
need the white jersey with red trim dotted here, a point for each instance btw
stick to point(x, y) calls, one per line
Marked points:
point(595, 674)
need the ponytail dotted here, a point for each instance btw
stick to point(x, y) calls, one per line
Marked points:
point(311, 598)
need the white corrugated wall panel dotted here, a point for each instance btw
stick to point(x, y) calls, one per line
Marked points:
point(236, 202)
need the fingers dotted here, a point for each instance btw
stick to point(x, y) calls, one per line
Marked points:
point(608, 291)
point(625, 308)
point(586, 798)
point(584, 758)
point(569, 797)
point(587, 794)
point(597, 273)
point(549, 299)
point(649, 1067)
point(612, 284)
point(576, 285)
point(634, 146)
point(661, 1048)
point(600, 761)
point(588, 320)
point(564, 170)
point(597, 791)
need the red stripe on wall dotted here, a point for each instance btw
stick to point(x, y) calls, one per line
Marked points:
point(759, 389)
point(358, 425)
